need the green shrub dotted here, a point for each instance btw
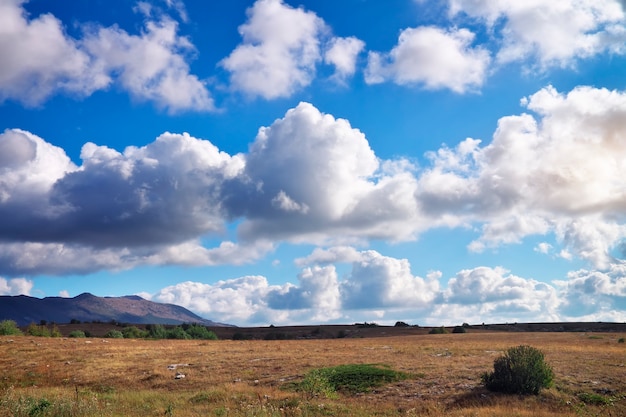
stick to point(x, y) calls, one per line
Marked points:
point(177, 333)
point(521, 370)
point(196, 331)
point(459, 329)
point(9, 328)
point(438, 330)
point(621, 340)
point(156, 331)
point(114, 334)
point(77, 333)
point(133, 332)
point(39, 331)
point(55, 332)
point(594, 399)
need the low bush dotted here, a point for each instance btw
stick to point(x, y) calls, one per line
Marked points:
point(459, 329)
point(39, 331)
point(198, 332)
point(350, 379)
point(521, 370)
point(114, 334)
point(133, 332)
point(77, 333)
point(438, 330)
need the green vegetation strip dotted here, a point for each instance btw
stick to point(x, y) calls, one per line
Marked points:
point(347, 379)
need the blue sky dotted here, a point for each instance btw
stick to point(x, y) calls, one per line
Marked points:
point(280, 162)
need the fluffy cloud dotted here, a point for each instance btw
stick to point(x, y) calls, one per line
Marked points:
point(432, 57)
point(336, 188)
point(40, 59)
point(596, 295)
point(151, 66)
point(383, 287)
point(552, 33)
point(15, 286)
point(279, 52)
point(376, 282)
point(559, 171)
point(343, 53)
point(231, 301)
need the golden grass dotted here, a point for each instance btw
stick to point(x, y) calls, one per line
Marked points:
point(121, 377)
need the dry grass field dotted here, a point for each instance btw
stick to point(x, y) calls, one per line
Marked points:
point(126, 377)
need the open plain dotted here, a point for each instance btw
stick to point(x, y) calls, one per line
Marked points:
point(131, 377)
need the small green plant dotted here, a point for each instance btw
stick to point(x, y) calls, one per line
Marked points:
point(9, 328)
point(521, 370)
point(621, 340)
point(39, 408)
point(77, 333)
point(590, 398)
point(459, 329)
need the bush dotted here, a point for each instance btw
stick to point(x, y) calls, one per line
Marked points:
point(620, 340)
point(114, 334)
point(438, 330)
point(459, 329)
point(77, 333)
point(178, 333)
point(521, 370)
point(9, 328)
point(133, 332)
point(156, 331)
point(196, 331)
point(39, 331)
point(55, 332)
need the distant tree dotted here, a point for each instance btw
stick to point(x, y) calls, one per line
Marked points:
point(77, 334)
point(459, 329)
point(74, 321)
point(401, 324)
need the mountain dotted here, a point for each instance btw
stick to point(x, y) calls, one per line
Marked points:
point(89, 308)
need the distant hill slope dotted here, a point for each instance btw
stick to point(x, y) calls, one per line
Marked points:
point(88, 308)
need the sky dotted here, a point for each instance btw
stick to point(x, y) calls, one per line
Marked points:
point(308, 162)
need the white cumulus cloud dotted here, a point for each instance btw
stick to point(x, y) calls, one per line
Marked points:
point(552, 33)
point(40, 60)
point(431, 57)
point(15, 286)
point(279, 52)
point(343, 53)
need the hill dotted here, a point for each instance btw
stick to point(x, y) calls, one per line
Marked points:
point(90, 308)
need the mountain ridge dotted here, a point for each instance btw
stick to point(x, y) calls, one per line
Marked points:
point(86, 307)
